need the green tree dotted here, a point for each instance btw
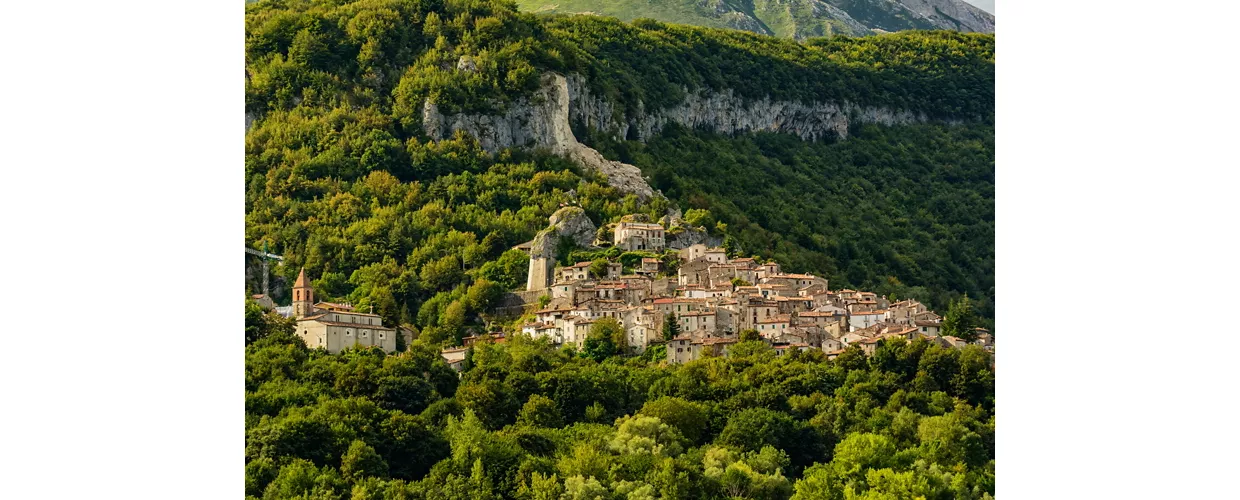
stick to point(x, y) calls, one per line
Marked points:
point(960, 320)
point(540, 411)
point(647, 435)
point(671, 327)
point(361, 461)
point(686, 416)
point(606, 339)
point(598, 268)
point(301, 478)
point(491, 401)
point(750, 335)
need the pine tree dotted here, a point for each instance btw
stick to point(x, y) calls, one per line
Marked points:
point(671, 329)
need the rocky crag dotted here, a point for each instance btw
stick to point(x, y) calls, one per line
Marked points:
point(543, 120)
point(567, 222)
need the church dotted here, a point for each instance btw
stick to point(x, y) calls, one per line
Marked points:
point(336, 326)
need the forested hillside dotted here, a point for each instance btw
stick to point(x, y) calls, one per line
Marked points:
point(527, 421)
point(340, 179)
point(903, 210)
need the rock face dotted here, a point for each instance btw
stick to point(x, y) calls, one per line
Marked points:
point(952, 15)
point(690, 236)
point(573, 223)
point(568, 222)
point(726, 113)
point(543, 121)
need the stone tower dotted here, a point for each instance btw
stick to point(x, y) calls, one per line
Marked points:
point(303, 296)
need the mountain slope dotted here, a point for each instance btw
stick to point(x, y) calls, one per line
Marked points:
point(798, 19)
point(343, 177)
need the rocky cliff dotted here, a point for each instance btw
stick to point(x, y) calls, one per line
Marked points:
point(952, 15)
point(567, 222)
point(543, 121)
point(539, 121)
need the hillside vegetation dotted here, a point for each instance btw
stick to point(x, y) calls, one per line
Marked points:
point(339, 179)
point(903, 210)
point(527, 421)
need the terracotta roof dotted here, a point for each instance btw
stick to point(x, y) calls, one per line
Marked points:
point(649, 259)
point(717, 340)
point(302, 282)
point(453, 349)
point(858, 313)
point(581, 264)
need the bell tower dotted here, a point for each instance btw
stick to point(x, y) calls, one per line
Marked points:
point(303, 296)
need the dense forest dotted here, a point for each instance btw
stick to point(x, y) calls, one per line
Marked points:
point(339, 178)
point(905, 211)
point(527, 421)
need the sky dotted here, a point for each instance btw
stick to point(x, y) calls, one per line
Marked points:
point(986, 5)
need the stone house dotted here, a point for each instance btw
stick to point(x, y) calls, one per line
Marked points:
point(650, 266)
point(576, 272)
point(865, 319)
point(564, 290)
point(639, 236)
point(928, 328)
point(703, 321)
point(789, 305)
point(682, 349)
point(755, 309)
point(773, 326)
point(614, 270)
point(694, 273)
point(455, 356)
point(692, 252)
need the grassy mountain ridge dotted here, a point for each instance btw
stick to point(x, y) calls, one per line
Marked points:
point(798, 19)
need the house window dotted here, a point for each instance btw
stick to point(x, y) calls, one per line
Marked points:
point(365, 334)
point(348, 333)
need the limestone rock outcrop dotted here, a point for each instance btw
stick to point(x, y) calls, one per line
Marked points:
point(569, 222)
point(687, 236)
point(540, 121)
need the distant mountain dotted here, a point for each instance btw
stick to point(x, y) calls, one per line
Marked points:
point(787, 18)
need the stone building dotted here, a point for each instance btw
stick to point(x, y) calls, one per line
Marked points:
point(639, 236)
point(336, 326)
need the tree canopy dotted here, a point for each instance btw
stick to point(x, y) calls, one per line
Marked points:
point(528, 420)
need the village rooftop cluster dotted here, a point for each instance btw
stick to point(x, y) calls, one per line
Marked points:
point(713, 298)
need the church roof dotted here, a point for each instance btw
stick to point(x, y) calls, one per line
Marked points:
point(302, 282)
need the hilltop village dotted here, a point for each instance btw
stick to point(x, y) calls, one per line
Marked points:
point(712, 299)
point(707, 303)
